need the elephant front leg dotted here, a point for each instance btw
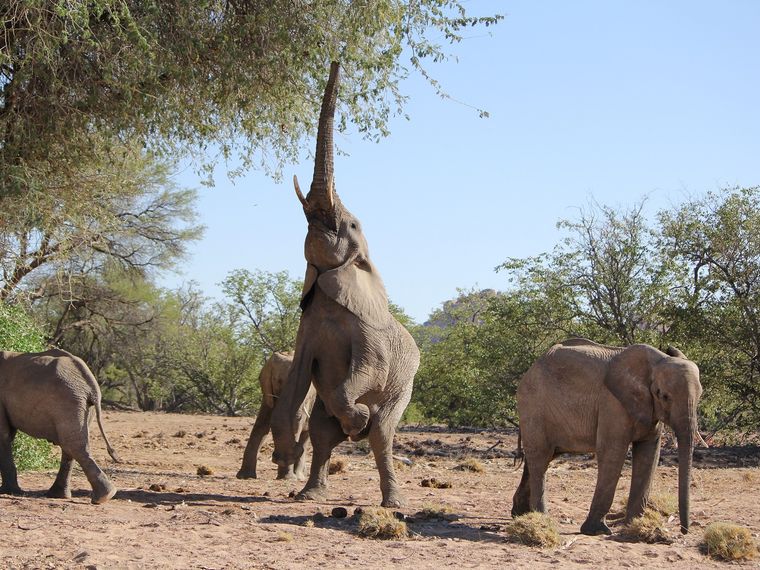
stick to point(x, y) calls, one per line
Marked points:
point(521, 498)
point(258, 433)
point(610, 459)
point(299, 469)
point(7, 465)
point(645, 456)
point(326, 433)
point(61, 488)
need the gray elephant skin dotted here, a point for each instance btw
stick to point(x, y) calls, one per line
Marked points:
point(48, 395)
point(273, 376)
point(361, 360)
point(582, 396)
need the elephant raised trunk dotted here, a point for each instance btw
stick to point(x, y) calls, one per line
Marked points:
point(322, 194)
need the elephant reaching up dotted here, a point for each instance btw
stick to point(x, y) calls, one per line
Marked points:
point(360, 359)
point(49, 395)
point(274, 374)
point(582, 396)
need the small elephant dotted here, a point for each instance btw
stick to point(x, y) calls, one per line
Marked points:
point(582, 396)
point(273, 376)
point(48, 395)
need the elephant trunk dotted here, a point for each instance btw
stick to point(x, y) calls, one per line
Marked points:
point(321, 193)
point(685, 436)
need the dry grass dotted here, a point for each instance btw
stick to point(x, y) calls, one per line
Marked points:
point(377, 522)
point(534, 529)
point(728, 541)
point(204, 471)
point(471, 464)
point(284, 537)
point(649, 527)
point(664, 503)
point(338, 465)
point(438, 511)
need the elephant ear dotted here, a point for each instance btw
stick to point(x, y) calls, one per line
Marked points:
point(358, 287)
point(308, 284)
point(629, 378)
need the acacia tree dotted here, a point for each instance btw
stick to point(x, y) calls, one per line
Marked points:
point(715, 309)
point(242, 76)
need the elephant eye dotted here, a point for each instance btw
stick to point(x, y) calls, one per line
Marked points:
point(353, 225)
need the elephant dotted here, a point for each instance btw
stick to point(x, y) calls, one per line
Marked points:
point(272, 377)
point(581, 396)
point(48, 395)
point(361, 360)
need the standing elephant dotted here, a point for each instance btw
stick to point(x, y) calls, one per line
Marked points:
point(361, 360)
point(581, 396)
point(48, 395)
point(273, 376)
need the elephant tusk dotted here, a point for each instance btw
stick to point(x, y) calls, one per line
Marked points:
point(700, 440)
point(331, 191)
point(304, 203)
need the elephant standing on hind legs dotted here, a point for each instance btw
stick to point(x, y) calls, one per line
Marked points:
point(272, 378)
point(581, 396)
point(360, 359)
point(48, 395)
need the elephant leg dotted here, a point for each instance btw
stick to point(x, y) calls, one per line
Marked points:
point(381, 441)
point(299, 469)
point(258, 433)
point(7, 465)
point(536, 463)
point(61, 488)
point(610, 459)
point(645, 455)
point(76, 444)
point(521, 498)
point(326, 433)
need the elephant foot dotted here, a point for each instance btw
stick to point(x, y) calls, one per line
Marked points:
point(11, 490)
point(393, 500)
point(103, 494)
point(519, 510)
point(244, 474)
point(58, 493)
point(355, 422)
point(592, 528)
point(315, 493)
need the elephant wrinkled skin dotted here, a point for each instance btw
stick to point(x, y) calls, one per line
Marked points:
point(273, 376)
point(361, 360)
point(48, 395)
point(582, 396)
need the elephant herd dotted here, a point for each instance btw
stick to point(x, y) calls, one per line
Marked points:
point(351, 378)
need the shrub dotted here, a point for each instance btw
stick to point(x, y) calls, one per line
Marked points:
point(534, 529)
point(33, 454)
point(729, 541)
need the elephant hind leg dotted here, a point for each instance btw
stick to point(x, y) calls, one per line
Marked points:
point(76, 445)
point(299, 468)
point(610, 459)
point(536, 463)
point(325, 433)
point(521, 498)
point(61, 488)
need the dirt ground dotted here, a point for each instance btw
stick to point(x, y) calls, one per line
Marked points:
point(167, 516)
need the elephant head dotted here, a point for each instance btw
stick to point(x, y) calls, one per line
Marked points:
point(336, 250)
point(657, 387)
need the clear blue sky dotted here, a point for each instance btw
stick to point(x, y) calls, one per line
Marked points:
point(605, 99)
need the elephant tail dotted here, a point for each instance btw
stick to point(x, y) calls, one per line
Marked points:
point(519, 452)
point(111, 450)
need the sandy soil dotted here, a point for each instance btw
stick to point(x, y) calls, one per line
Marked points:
point(167, 516)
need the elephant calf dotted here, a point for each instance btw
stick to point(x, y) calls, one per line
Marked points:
point(582, 396)
point(48, 395)
point(272, 378)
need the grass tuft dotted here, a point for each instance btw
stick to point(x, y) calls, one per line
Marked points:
point(204, 471)
point(534, 529)
point(649, 527)
point(664, 503)
point(441, 511)
point(377, 522)
point(728, 541)
point(471, 464)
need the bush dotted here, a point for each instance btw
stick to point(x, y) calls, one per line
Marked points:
point(728, 541)
point(19, 334)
